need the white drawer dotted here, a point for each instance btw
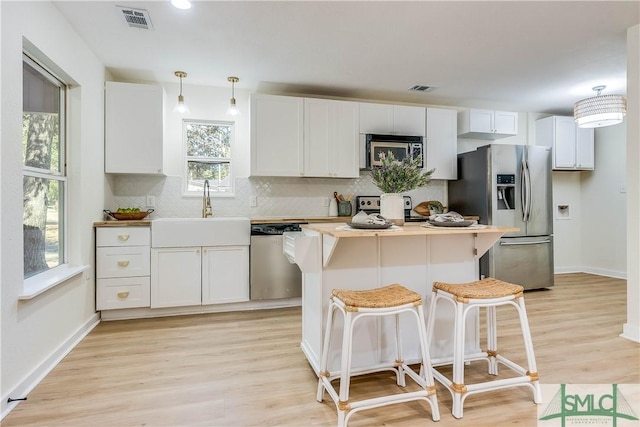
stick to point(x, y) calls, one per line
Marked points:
point(123, 236)
point(129, 292)
point(123, 262)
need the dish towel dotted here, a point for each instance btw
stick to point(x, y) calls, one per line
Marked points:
point(362, 218)
point(447, 217)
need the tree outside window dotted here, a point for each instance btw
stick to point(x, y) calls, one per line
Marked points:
point(43, 168)
point(208, 156)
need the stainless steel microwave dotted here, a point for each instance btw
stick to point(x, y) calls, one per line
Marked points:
point(402, 146)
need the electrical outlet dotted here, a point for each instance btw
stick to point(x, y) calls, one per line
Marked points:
point(151, 201)
point(253, 201)
point(622, 188)
point(324, 201)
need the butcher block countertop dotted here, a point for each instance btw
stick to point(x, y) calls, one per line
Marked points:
point(315, 219)
point(408, 229)
point(123, 223)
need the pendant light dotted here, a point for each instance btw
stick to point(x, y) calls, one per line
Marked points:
point(181, 107)
point(233, 110)
point(600, 110)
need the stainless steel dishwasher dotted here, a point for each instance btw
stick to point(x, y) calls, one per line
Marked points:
point(272, 275)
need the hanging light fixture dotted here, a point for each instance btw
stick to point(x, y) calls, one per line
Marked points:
point(600, 110)
point(233, 110)
point(181, 107)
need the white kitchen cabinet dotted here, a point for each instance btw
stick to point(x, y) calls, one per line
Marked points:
point(487, 124)
point(442, 143)
point(199, 275)
point(122, 267)
point(176, 278)
point(572, 147)
point(225, 274)
point(392, 119)
point(331, 138)
point(277, 129)
point(133, 128)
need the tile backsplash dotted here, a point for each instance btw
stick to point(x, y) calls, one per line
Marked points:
point(275, 196)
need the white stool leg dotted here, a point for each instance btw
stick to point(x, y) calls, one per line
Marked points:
point(426, 369)
point(400, 377)
point(492, 339)
point(325, 352)
point(458, 360)
point(528, 345)
point(345, 369)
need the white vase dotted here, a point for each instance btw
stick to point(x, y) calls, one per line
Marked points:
point(392, 207)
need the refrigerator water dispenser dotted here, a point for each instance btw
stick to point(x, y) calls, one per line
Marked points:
point(505, 191)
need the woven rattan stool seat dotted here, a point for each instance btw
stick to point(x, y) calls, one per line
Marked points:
point(387, 296)
point(480, 289)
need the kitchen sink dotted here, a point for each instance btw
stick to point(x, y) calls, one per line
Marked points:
point(183, 232)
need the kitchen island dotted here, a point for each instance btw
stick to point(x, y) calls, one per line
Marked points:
point(332, 255)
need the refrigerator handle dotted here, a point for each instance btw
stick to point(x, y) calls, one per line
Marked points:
point(527, 191)
point(523, 191)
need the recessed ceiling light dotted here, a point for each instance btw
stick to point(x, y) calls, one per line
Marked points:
point(181, 4)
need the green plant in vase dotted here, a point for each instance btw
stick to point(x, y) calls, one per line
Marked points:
point(393, 177)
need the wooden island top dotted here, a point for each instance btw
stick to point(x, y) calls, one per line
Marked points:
point(340, 230)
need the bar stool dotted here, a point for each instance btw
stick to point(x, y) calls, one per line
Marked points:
point(488, 293)
point(354, 305)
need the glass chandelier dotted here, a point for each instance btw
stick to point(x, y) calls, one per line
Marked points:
point(600, 110)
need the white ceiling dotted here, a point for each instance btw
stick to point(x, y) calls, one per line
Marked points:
point(521, 55)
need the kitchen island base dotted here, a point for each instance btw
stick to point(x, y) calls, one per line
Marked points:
point(413, 256)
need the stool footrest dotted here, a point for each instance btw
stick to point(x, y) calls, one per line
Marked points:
point(333, 375)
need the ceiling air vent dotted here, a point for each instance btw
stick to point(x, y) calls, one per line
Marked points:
point(421, 88)
point(136, 18)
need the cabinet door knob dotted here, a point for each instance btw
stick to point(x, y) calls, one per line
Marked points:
point(123, 237)
point(123, 294)
point(123, 263)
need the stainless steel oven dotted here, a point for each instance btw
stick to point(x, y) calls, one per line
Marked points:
point(371, 204)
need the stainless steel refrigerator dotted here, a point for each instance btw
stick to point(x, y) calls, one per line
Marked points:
point(510, 185)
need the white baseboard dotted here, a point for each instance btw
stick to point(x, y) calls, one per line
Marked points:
point(41, 371)
point(591, 270)
point(631, 332)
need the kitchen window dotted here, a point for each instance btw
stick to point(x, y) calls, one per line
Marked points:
point(208, 156)
point(44, 169)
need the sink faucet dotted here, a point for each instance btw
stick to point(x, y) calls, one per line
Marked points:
point(206, 201)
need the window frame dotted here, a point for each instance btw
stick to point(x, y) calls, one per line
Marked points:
point(61, 175)
point(187, 158)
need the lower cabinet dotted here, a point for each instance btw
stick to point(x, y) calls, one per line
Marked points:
point(122, 267)
point(199, 275)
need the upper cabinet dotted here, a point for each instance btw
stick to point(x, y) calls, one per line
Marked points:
point(331, 138)
point(392, 119)
point(573, 147)
point(277, 129)
point(133, 128)
point(487, 124)
point(292, 136)
point(442, 143)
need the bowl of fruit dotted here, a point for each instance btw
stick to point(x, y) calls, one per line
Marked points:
point(128, 214)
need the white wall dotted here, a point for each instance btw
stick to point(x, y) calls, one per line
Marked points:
point(604, 206)
point(37, 332)
point(567, 232)
point(631, 329)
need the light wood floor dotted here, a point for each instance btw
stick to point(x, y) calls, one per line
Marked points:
point(246, 368)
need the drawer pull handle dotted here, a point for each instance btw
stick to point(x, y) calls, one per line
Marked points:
point(123, 263)
point(123, 237)
point(123, 295)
